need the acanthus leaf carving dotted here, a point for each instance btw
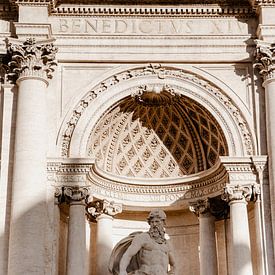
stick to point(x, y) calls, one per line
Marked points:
point(31, 58)
point(265, 59)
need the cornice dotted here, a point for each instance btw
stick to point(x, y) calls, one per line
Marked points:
point(203, 185)
point(187, 8)
point(189, 11)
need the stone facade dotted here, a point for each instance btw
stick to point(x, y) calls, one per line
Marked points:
point(110, 109)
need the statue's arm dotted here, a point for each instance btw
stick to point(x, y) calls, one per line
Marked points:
point(132, 250)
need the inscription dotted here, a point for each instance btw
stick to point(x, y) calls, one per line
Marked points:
point(112, 26)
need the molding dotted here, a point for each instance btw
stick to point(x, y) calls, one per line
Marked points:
point(189, 11)
point(158, 72)
point(216, 8)
point(173, 193)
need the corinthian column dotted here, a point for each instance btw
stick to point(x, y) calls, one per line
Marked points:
point(76, 255)
point(241, 253)
point(103, 211)
point(208, 252)
point(265, 62)
point(31, 64)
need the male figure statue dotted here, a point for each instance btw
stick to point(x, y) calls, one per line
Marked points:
point(147, 253)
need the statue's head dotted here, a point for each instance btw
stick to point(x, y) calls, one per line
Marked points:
point(156, 214)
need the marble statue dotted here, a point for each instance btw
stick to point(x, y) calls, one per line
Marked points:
point(144, 253)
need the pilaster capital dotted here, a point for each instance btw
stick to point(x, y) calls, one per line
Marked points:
point(265, 59)
point(200, 207)
point(240, 193)
point(96, 208)
point(75, 194)
point(30, 59)
point(258, 3)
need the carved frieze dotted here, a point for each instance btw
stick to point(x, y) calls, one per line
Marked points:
point(265, 59)
point(30, 59)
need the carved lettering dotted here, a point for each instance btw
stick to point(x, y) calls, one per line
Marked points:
point(91, 25)
point(63, 26)
point(129, 26)
point(120, 26)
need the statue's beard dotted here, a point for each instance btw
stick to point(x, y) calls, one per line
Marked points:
point(157, 233)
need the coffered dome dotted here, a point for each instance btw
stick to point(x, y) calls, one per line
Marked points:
point(156, 135)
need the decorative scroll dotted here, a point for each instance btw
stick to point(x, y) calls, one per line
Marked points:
point(237, 193)
point(72, 194)
point(99, 207)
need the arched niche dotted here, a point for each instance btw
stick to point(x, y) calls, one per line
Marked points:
point(230, 114)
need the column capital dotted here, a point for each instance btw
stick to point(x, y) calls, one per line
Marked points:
point(200, 207)
point(96, 208)
point(75, 194)
point(265, 59)
point(30, 59)
point(241, 193)
point(256, 3)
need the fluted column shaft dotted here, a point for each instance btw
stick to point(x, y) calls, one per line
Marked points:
point(208, 251)
point(103, 211)
point(29, 209)
point(241, 252)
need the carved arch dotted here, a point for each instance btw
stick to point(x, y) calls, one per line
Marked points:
point(189, 82)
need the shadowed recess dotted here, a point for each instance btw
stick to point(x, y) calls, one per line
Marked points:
point(157, 137)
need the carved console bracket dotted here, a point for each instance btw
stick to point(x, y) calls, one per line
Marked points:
point(98, 207)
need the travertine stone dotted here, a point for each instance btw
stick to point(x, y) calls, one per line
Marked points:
point(8, 101)
point(265, 58)
point(103, 211)
point(29, 202)
point(237, 197)
point(76, 255)
point(31, 58)
point(208, 251)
